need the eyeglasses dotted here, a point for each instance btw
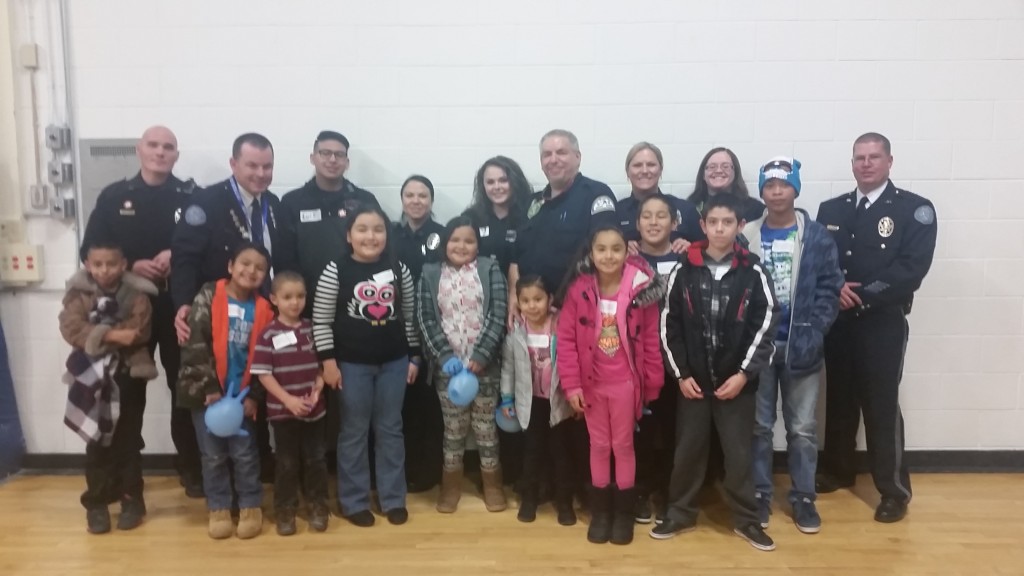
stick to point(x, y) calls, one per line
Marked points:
point(328, 154)
point(724, 167)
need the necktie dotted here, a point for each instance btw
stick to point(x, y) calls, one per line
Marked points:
point(256, 222)
point(862, 205)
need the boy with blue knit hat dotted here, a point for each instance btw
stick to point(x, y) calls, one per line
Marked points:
point(801, 256)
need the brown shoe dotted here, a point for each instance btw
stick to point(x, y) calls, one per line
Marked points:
point(221, 526)
point(250, 523)
point(494, 493)
point(451, 491)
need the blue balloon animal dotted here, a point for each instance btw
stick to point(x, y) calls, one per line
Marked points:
point(462, 388)
point(224, 417)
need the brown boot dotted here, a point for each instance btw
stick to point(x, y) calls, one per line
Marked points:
point(221, 525)
point(494, 492)
point(250, 523)
point(451, 491)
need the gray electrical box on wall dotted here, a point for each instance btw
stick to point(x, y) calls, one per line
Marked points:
point(102, 161)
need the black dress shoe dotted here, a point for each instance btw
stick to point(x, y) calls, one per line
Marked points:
point(363, 518)
point(890, 510)
point(398, 516)
point(826, 483)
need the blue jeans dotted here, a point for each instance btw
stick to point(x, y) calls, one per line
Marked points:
point(244, 459)
point(371, 395)
point(799, 403)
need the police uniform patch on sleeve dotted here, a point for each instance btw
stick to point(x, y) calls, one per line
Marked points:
point(925, 215)
point(602, 204)
point(195, 216)
point(433, 241)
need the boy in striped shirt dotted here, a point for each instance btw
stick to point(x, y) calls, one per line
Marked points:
point(286, 364)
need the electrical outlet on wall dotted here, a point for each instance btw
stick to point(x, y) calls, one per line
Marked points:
point(21, 264)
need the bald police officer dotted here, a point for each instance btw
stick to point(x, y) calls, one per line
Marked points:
point(886, 240)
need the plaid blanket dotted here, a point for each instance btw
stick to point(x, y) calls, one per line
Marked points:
point(93, 398)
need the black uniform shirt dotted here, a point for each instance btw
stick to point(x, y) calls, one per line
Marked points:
point(418, 247)
point(888, 248)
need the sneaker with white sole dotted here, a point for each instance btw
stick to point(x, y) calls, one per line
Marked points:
point(806, 517)
point(755, 535)
point(670, 528)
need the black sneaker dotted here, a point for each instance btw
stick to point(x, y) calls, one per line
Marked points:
point(132, 512)
point(319, 518)
point(527, 510)
point(642, 512)
point(890, 510)
point(286, 523)
point(363, 518)
point(670, 528)
point(755, 535)
point(98, 520)
point(398, 516)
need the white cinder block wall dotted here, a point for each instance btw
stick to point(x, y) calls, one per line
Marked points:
point(437, 87)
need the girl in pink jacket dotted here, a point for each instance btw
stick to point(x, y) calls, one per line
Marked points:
point(609, 361)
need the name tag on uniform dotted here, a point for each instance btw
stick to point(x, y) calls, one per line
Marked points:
point(783, 246)
point(538, 340)
point(666, 267)
point(284, 339)
point(384, 277)
point(309, 215)
point(510, 236)
point(485, 231)
point(608, 306)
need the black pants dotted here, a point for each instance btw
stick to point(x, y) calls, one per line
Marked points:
point(547, 448)
point(183, 433)
point(734, 420)
point(423, 429)
point(300, 447)
point(864, 366)
point(655, 443)
point(115, 472)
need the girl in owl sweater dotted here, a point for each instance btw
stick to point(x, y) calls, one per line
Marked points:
point(365, 335)
point(463, 302)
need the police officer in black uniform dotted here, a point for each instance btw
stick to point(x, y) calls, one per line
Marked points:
point(886, 240)
point(216, 220)
point(312, 220)
point(501, 196)
point(644, 164)
point(417, 241)
point(561, 217)
point(139, 214)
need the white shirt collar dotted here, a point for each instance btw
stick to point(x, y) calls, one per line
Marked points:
point(871, 195)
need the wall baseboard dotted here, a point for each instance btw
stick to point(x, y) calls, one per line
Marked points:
point(980, 461)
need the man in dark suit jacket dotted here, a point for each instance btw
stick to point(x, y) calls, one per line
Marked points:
point(219, 218)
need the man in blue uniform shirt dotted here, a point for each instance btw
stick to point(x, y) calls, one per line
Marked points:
point(886, 241)
point(560, 216)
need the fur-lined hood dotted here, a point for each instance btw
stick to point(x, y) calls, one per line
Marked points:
point(647, 287)
point(83, 282)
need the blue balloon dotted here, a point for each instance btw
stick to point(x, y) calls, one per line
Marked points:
point(510, 425)
point(224, 417)
point(462, 388)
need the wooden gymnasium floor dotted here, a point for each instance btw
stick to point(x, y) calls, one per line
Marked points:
point(958, 524)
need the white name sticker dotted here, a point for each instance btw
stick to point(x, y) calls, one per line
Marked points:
point(608, 306)
point(538, 340)
point(235, 311)
point(284, 339)
point(309, 215)
point(783, 246)
point(665, 268)
point(384, 277)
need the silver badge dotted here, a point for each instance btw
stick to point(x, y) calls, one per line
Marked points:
point(342, 213)
point(177, 215)
point(433, 241)
point(885, 227)
point(195, 216)
point(925, 215)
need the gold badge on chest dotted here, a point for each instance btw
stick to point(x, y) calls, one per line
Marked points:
point(885, 227)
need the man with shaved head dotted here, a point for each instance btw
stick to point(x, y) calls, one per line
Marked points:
point(139, 214)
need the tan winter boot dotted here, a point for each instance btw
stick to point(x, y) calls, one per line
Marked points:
point(250, 523)
point(451, 491)
point(221, 526)
point(494, 492)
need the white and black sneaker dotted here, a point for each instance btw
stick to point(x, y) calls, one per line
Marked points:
point(755, 535)
point(670, 528)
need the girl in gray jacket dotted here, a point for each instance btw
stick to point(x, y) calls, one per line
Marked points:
point(530, 392)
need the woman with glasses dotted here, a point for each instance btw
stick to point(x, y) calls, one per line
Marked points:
point(720, 172)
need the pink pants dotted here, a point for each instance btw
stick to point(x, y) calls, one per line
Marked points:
point(611, 422)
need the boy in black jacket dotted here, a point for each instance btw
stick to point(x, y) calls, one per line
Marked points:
point(718, 332)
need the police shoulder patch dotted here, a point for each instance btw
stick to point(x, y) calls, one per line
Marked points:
point(195, 215)
point(925, 214)
point(602, 204)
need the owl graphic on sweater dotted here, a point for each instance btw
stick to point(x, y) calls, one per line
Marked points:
point(374, 302)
